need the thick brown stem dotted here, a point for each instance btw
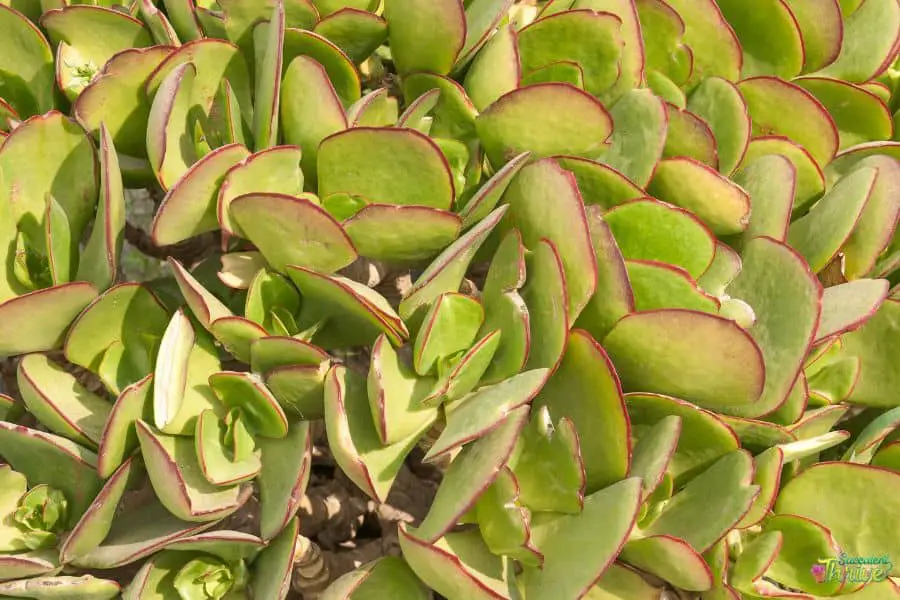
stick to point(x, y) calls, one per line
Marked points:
point(187, 252)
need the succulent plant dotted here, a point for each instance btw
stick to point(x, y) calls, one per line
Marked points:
point(463, 299)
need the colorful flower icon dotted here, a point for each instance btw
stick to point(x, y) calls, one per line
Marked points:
point(818, 571)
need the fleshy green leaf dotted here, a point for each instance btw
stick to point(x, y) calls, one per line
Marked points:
point(38, 321)
point(356, 445)
point(417, 174)
point(282, 480)
point(484, 410)
point(787, 301)
point(577, 124)
point(177, 478)
point(60, 402)
point(425, 35)
point(301, 234)
point(700, 357)
point(546, 205)
point(44, 458)
point(819, 235)
point(27, 58)
point(862, 487)
point(714, 199)
point(676, 236)
point(189, 207)
point(471, 472)
point(578, 548)
point(586, 390)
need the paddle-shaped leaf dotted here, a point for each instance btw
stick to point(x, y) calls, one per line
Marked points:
point(447, 271)
point(117, 335)
point(787, 300)
point(653, 453)
point(311, 110)
point(387, 575)
point(282, 480)
point(590, 39)
point(425, 35)
point(86, 38)
point(459, 565)
point(503, 132)
point(495, 71)
point(401, 233)
point(48, 587)
point(269, 48)
point(27, 58)
point(810, 182)
point(700, 357)
point(659, 285)
point(846, 307)
point(770, 181)
point(38, 321)
point(822, 29)
point(247, 393)
point(44, 458)
point(396, 394)
point(189, 207)
point(95, 525)
point(417, 174)
point(355, 442)
point(689, 135)
point(671, 559)
point(115, 99)
point(873, 343)
point(546, 298)
point(119, 437)
point(729, 482)
point(721, 105)
point(357, 32)
point(341, 70)
point(302, 234)
point(548, 465)
point(878, 221)
point(48, 155)
point(545, 204)
point(871, 35)
point(662, 30)
point(60, 402)
point(177, 478)
point(351, 311)
point(639, 135)
point(770, 37)
point(219, 462)
point(577, 549)
point(471, 472)
point(715, 47)
point(704, 437)
point(819, 235)
point(138, 532)
point(170, 147)
point(273, 567)
point(275, 170)
point(617, 299)
point(171, 369)
point(486, 409)
point(586, 390)
point(100, 260)
point(782, 108)
point(719, 203)
point(866, 488)
point(676, 236)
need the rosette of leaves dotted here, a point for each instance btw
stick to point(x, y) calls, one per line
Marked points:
point(650, 328)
